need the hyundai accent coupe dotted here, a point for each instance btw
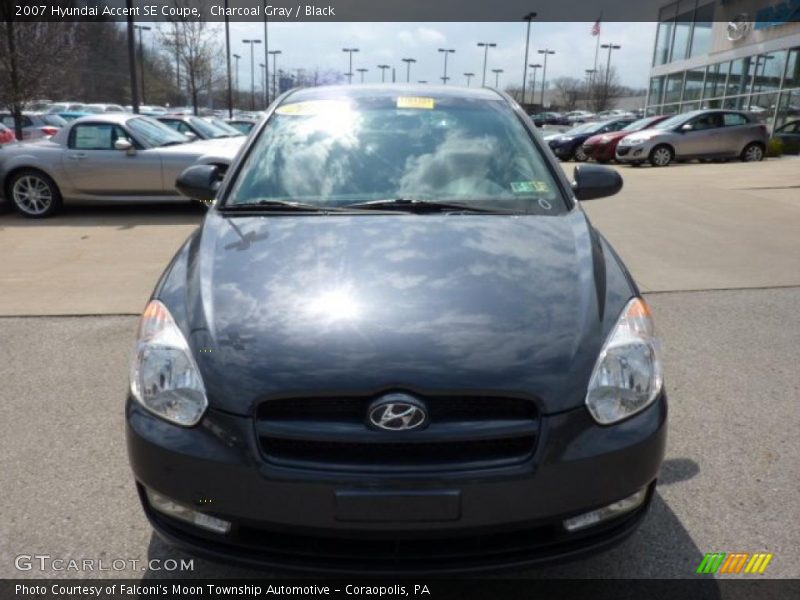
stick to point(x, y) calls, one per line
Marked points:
point(396, 344)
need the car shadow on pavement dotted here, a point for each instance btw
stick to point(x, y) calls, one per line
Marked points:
point(661, 548)
point(126, 216)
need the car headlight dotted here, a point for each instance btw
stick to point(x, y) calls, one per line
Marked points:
point(605, 139)
point(164, 376)
point(627, 377)
point(635, 141)
point(566, 138)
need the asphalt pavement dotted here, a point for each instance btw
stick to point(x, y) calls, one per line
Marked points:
point(715, 246)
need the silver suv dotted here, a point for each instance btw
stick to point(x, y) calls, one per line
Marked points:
point(697, 134)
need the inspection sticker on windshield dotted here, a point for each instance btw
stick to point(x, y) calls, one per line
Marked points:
point(311, 108)
point(415, 102)
point(529, 187)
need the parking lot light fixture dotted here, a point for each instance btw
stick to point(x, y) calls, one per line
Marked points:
point(141, 28)
point(485, 46)
point(361, 71)
point(383, 72)
point(252, 44)
point(497, 77)
point(609, 47)
point(408, 62)
point(274, 54)
point(546, 53)
point(534, 67)
point(349, 73)
point(529, 17)
point(446, 51)
point(469, 77)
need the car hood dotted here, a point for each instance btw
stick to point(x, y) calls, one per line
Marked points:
point(603, 138)
point(219, 146)
point(646, 134)
point(315, 305)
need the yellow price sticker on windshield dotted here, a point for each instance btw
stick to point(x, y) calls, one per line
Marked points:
point(415, 102)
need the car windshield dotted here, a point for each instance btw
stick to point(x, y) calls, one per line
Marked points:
point(673, 121)
point(639, 124)
point(54, 120)
point(331, 153)
point(206, 129)
point(580, 129)
point(155, 134)
point(222, 125)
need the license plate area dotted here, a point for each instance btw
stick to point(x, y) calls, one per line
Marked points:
point(398, 506)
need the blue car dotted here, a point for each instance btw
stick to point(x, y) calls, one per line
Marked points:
point(568, 145)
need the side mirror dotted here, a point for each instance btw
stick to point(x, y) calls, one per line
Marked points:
point(191, 135)
point(199, 182)
point(123, 145)
point(685, 127)
point(594, 181)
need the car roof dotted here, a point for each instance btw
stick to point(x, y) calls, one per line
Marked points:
point(388, 90)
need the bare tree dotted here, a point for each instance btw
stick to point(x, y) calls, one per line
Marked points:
point(35, 58)
point(569, 91)
point(603, 89)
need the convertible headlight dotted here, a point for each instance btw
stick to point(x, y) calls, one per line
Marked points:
point(634, 141)
point(164, 376)
point(628, 374)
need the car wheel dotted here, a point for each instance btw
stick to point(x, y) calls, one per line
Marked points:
point(661, 156)
point(579, 155)
point(753, 152)
point(34, 194)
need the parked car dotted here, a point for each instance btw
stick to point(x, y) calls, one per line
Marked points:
point(569, 145)
point(614, 113)
point(549, 118)
point(697, 134)
point(35, 126)
point(6, 135)
point(195, 127)
point(71, 115)
point(59, 107)
point(242, 125)
point(100, 108)
point(221, 124)
point(603, 147)
point(152, 111)
point(789, 135)
point(359, 345)
point(580, 116)
point(109, 157)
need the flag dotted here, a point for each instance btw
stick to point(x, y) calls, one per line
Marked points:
point(596, 27)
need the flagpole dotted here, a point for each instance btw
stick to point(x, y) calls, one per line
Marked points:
point(597, 47)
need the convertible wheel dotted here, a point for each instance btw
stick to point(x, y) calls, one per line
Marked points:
point(34, 194)
point(661, 156)
point(580, 155)
point(753, 153)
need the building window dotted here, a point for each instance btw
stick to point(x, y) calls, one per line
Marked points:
point(739, 78)
point(693, 89)
point(701, 34)
point(666, 26)
point(674, 87)
point(683, 30)
point(768, 70)
point(716, 75)
point(762, 106)
point(793, 70)
point(656, 90)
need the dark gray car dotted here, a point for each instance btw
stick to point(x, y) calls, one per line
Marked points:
point(697, 134)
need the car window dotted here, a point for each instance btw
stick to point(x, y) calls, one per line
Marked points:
point(95, 136)
point(734, 119)
point(173, 124)
point(335, 152)
point(54, 120)
point(154, 133)
point(709, 121)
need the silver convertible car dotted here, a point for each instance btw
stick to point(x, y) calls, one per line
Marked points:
point(104, 157)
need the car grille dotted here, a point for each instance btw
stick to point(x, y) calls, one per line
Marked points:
point(463, 432)
point(623, 150)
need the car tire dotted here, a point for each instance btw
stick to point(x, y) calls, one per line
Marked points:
point(579, 155)
point(753, 152)
point(661, 156)
point(34, 194)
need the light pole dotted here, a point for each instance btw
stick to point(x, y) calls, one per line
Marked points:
point(236, 58)
point(533, 80)
point(408, 62)
point(469, 76)
point(274, 54)
point(227, 65)
point(383, 72)
point(266, 58)
point(131, 40)
point(546, 52)
point(446, 51)
point(362, 70)
point(141, 28)
point(497, 77)
point(529, 17)
point(350, 72)
point(263, 67)
point(252, 72)
point(485, 46)
point(610, 47)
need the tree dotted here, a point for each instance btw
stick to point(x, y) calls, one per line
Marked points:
point(603, 88)
point(569, 91)
point(35, 59)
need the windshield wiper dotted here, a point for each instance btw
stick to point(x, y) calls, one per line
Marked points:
point(422, 206)
point(276, 205)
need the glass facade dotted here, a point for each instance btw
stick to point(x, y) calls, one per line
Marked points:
point(766, 85)
point(684, 30)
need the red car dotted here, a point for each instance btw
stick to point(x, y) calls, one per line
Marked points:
point(603, 147)
point(6, 135)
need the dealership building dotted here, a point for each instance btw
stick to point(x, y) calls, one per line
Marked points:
point(734, 54)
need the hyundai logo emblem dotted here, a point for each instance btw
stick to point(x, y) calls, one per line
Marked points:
point(397, 412)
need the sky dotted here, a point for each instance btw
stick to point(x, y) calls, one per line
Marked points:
point(319, 45)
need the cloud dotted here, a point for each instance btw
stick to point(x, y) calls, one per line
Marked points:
point(421, 36)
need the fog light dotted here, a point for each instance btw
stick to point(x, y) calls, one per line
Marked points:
point(637, 152)
point(607, 512)
point(169, 507)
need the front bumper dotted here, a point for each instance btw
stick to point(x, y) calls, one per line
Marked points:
point(562, 151)
point(599, 151)
point(628, 154)
point(289, 518)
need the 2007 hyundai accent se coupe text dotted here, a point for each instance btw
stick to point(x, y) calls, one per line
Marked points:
point(396, 344)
